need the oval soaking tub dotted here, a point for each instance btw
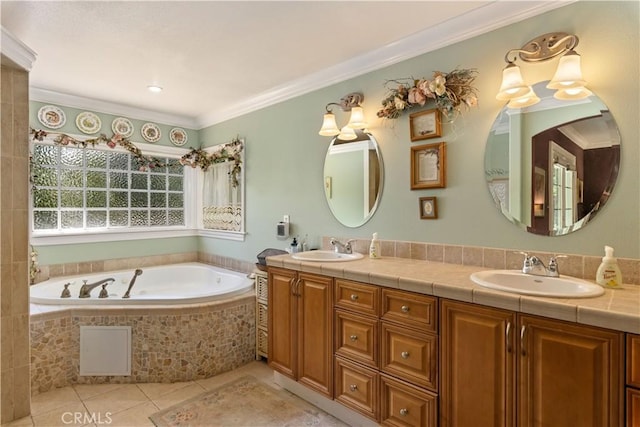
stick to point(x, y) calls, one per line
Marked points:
point(170, 284)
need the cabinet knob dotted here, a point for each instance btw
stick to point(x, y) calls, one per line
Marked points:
point(353, 387)
point(404, 354)
point(353, 337)
point(404, 412)
point(405, 308)
point(354, 297)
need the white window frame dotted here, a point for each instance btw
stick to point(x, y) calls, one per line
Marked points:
point(238, 236)
point(61, 237)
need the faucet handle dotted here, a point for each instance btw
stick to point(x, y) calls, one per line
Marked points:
point(553, 265)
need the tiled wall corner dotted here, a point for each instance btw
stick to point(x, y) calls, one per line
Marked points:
point(14, 242)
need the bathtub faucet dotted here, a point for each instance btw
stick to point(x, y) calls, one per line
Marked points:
point(85, 289)
point(133, 280)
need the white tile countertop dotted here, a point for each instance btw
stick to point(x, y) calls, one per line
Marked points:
point(617, 309)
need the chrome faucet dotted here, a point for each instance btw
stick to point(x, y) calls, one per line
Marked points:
point(341, 248)
point(534, 265)
point(85, 289)
point(133, 280)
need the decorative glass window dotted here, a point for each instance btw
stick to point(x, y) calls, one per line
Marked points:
point(90, 189)
point(222, 199)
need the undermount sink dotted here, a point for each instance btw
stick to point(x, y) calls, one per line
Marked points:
point(543, 286)
point(325, 256)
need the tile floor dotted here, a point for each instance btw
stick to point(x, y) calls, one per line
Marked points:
point(123, 405)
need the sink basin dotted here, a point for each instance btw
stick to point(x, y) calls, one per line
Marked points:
point(543, 286)
point(325, 256)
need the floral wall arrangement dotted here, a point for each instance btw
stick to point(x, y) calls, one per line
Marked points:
point(450, 92)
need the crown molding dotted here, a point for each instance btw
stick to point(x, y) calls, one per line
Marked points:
point(97, 105)
point(16, 51)
point(474, 23)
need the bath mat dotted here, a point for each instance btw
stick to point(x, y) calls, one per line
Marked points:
point(244, 402)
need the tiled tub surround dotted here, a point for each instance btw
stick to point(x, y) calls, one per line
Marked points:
point(169, 343)
point(617, 309)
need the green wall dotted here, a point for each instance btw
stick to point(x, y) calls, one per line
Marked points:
point(285, 154)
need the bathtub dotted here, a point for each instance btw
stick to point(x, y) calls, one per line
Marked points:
point(171, 284)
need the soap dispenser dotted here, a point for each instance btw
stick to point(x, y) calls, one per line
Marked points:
point(294, 246)
point(609, 274)
point(374, 248)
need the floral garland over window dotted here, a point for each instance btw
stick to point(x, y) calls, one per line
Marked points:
point(195, 158)
point(450, 92)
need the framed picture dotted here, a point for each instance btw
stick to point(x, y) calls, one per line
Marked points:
point(428, 208)
point(428, 166)
point(425, 125)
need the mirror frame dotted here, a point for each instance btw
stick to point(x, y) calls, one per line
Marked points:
point(361, 137)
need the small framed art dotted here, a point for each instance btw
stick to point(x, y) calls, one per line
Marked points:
point(428, 208)
point(425, 125)
point(428, 166)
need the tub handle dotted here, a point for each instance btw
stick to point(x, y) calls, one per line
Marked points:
point(66, 293)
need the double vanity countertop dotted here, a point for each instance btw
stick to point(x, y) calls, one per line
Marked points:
point(617, 309)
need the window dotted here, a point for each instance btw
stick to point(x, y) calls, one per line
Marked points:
point(89, 189)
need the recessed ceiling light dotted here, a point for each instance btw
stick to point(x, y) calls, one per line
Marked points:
point(154, 89)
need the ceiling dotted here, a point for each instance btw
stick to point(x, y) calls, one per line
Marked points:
point(214, 58)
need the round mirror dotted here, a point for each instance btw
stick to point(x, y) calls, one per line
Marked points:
point(552, 166)
point(353, 178)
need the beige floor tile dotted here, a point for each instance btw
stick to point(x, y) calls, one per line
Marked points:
point(86, 391)
point(22, 422)
point(156, 390)
point(53, 399)
point(260, 370)
point(117, 400)
point(72, 414)
point(178, 396)
point(137, 416)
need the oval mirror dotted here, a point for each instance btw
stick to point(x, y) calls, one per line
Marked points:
point(353, 179)
point(552, 166)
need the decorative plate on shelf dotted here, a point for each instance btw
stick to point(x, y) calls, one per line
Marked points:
point(122, 126)
point(88, 122)
point(52, 117)
point(150, 132)
point(178, 136)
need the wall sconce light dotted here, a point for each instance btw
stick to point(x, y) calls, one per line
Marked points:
point(350, 102)
point(567, 79)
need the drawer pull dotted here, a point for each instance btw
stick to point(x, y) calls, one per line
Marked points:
point(354, 297)
point(404, 412)
point(353, 337)
point(405, 308)
point(404, 354)
point(353, 387)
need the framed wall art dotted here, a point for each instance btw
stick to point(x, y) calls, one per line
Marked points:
point(428, 208)
point(428, 166)
point(425, 125)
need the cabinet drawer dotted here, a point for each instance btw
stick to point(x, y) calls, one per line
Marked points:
point(262, 315)
point(633, 360)
point(263, 342)
point(410, 355)
point(406, 405)
point(262, 288)
point(409, 309)
point(633, 407)
point(357, 337)
point(358, 297)
point(357, 387)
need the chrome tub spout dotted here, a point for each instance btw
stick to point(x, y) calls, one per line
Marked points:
point(132, 282)
point(85, 289)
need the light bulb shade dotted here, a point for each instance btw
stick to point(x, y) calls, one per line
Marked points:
point(569, 73)
point(513, 85)
point(356, 121)
point(524, 101)
point(329, 126)
point(572, 94)
point(347, 134)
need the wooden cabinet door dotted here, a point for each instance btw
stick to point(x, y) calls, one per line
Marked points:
point(633, 407)
point(281, 320)
point(315, 332)
point(478, 366)
point(570, 375)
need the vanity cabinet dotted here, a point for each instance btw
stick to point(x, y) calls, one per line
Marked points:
point(562, 373)
point(300, 328)
point(633, 380)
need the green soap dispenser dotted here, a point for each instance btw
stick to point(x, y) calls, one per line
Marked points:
point(609, 274)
